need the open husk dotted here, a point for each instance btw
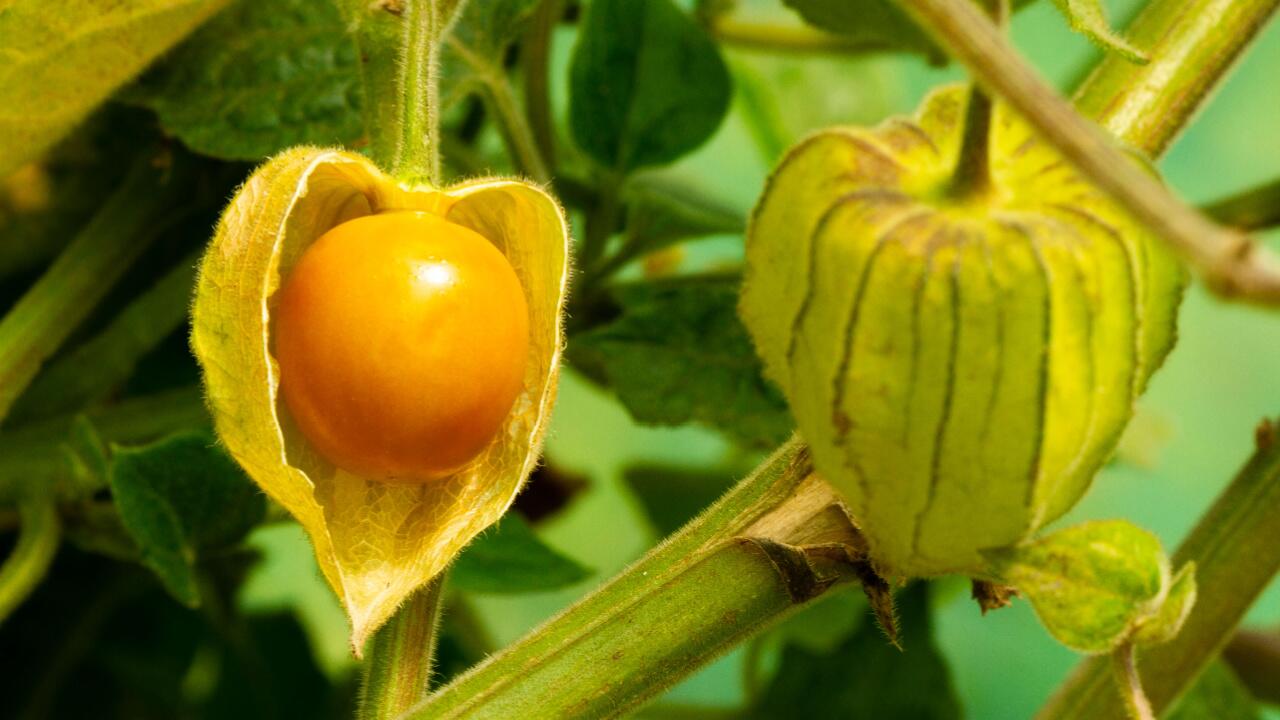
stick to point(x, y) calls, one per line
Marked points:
point(375, 542)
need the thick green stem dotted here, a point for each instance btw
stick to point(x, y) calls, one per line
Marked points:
point(139, 211)
point(30, 559)
point(397, 672)
point(399, 42)
point(1231, 263)
point(730, 572)
point(1254, 209)
point(1236, 555)
point(1192, 45)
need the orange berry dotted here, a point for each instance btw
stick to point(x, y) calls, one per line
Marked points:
point(402, 341)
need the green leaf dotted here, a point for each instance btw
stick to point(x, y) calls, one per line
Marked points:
point(1217, 695)
point(1091, 584)
point(180, 497)
point(260, 78)
point(476, 44)
point(678, 353)
point(1089, 18)
point(671, 496)
point(1167, 622)
point(646, 84)
point(880, 24)
point(57, 62)
point(510, 558)
point(867, 677)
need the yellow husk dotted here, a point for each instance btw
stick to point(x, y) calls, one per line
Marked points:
point(375, 542)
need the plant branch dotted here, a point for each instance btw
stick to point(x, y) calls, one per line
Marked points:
point(398, 41)
point(776, 540)
point(798, 39)
point(973, 167)
point(516, 132)
point(147, 202)
point(1236, 555)
point(1192, 44)
point(536, 50)
point(30, 559)
point(397, 671)
point(1254, 209)
point(1124, 661)
point(1231, 263)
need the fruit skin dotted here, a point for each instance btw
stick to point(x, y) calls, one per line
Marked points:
point(402, 340)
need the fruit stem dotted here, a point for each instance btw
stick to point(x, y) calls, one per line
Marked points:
point(397, 671)
point(972, 177)
point(1232, 264)
point(399, 41)
point(30, 559)
point(1124, 661)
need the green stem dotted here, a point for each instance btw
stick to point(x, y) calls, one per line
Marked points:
point(63, 297)
point(398, 42)
point(775, 541)
point(99, 365)
point(1254, 209)
point(536, 62)
point(31, 557)
point(1231, 263)
point(1124, 662)
point(973, 167)
point(1236, 555)
point(601, 221)
point(517, 134)
point(397, 671)
point(797, 39)
point(1192, 45)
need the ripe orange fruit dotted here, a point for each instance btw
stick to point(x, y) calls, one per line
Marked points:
point(402, 341)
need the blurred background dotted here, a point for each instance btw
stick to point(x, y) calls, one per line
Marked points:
point(102, 639)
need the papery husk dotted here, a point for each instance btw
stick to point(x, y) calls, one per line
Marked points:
point(961, 366)
point(375, 542)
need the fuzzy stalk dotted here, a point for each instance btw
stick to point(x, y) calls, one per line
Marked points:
point(397, 672)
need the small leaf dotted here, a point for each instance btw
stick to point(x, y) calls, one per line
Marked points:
point(1089, 17)
point(1217, 695)
point(58, 62)
point(671, 496)
point(678, 353)
point(865, 676)
point(646, 84)
point(261, 77)
point(1090, 584)
point(473, 50)
point(510, 558)
point(1167, 622)
point(178, 498)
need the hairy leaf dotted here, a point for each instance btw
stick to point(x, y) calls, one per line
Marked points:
point(57, 62)
point(678, 353)
point(1091, 584)
point(178, 498)
point(260, 78)
point(510, 558)
point(1165, 624)
point(646, 84)
point(867, 677)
